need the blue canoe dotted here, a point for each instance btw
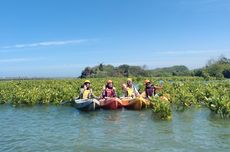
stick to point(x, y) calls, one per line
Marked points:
point(87, 104)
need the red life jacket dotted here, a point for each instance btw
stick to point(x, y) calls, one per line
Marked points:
point(109, 92)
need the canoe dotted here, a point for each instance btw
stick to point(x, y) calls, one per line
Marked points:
point(111, 103)
point(87, 104)
point(136, 103)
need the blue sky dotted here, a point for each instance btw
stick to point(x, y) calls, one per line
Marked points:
point(60, 37)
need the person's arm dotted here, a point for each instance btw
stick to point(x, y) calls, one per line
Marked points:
point(136, 92)
point(81, 93)
point(93, 95)
point(115, 92)
point(158, 87)
point(124, 87)
point(103, 94)
point(143, 94)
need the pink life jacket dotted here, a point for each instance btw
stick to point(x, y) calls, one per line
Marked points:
point(109, 92)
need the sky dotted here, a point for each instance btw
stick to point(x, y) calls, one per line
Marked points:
point(59, 38)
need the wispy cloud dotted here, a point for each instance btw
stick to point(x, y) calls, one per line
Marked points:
point(44, 43)
point(16, 60)
point(188, 52)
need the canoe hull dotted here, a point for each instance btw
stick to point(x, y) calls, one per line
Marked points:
point(87, 104)
point(136, 103)
point(111, 103)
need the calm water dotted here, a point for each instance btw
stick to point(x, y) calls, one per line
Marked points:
point(51, 128)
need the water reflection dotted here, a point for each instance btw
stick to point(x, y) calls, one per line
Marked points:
point(112, 116)
point(55, 128)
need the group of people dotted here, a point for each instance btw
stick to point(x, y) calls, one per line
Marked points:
point(128, 89)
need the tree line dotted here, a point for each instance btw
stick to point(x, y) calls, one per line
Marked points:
point(219, 69)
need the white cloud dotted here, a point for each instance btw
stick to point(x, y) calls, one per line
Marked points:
point(45, 43)
point(14, 60)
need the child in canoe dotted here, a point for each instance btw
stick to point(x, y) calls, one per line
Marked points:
point(150, 89)
point(109, 97)
point(86, 91)
point(86, 100)
point(109, 90)
point(129, 90)
point(132, 99)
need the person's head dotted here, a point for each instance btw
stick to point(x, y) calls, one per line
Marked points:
point(148, 83)
point(109, 83)
point(87, 83)
point(129, 82)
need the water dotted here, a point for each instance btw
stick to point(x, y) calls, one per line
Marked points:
point(60, 128)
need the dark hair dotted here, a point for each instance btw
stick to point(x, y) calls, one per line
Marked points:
point(82, 86)
point(107, 85)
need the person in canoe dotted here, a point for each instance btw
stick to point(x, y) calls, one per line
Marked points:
point(129, 90)
point(109, 97)
point(131, 98)
point(86, 100)
point(150, 89)
point(109, 90)
point(86, 91)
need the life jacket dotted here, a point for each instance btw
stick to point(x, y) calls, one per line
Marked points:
point(109, 92)
point(86, 94)
point(150, 91)
point(130, 91)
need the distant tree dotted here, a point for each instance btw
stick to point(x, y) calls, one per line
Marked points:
point(216, 68)
point(219, 68)
point(124, 70)
point(226, 73)
point(101, 68)
point(86, 72)
point(198, 72)
point(223, 60)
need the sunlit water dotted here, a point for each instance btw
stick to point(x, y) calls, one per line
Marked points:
point(62, 128)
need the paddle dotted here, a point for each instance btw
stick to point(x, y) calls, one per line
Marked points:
point(70, 101)
point(161, 82)
point(66, 102)
point(137, 86)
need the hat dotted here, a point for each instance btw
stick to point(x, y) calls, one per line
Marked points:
point(147, 81)
point(109, 81)
point(129, 79)
point(87, 81)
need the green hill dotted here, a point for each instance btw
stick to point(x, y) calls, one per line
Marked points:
point(219, 69)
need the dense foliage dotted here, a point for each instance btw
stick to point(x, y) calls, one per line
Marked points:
point(218, 69)
point(181, 92)
point(101, 71)
point(215, 68)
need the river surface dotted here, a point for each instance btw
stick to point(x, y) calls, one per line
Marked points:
point(63, 129)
